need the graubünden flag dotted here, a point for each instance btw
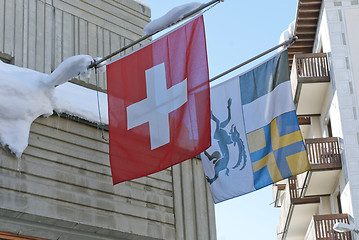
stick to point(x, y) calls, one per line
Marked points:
point(256, 136)
point(159, 109)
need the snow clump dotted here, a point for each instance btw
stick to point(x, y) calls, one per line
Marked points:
point(26, 94)
point(287, 34)
point(170, 18)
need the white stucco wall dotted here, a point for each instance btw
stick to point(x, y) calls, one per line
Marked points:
point(337, 32)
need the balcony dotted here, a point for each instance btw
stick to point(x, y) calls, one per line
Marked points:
point(300, 198)
point(325, 161)
point(310, 82)
point(321, 227)
point(296, 212)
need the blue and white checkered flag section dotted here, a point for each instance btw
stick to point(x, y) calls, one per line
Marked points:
point(256, 140)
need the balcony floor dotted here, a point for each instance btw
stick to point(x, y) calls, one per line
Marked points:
point(321, 182)
point(312, 97)
point(301, 216)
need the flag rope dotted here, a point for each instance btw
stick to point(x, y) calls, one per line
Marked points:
point(289, 42)
point(95, 63)
point(98, 106)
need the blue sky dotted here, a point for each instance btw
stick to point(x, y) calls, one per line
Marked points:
point(236, 31)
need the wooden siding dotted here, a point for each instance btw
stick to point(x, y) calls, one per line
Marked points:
point(62, 186)
point(64, 174)
point(48, 32)
point(324, 153)
point(324, 227)
point(193, 202)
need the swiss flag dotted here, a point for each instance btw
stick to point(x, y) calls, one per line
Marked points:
point(159, 110)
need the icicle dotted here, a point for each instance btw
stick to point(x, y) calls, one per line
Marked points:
point(19, 164)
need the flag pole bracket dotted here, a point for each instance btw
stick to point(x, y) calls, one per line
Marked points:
point(95, 63)
point(288, 42)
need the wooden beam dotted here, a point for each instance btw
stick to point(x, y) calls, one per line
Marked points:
point(305, 36)
point(308, 15)
point(306, 29)
point(304, 120)
point(300, 49)
point(307, 22)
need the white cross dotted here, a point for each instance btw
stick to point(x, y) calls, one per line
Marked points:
point(159, 103)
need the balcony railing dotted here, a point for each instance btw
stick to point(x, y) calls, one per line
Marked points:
point(323, 225)
point(307, 69)
point(323, 153)
point(313, 66)
point(293, 189)
point(295, 193)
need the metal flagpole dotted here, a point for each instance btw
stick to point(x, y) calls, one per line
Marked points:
point(291, 40)
point(203, 6)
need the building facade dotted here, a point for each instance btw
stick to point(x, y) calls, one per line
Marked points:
point(325, 83)
point(61, 188)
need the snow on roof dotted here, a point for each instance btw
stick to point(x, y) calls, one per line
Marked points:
point(142, 2)
point(170, 17)
point(81, 102)
point(26, 94)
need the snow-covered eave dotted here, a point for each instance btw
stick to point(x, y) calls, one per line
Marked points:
point(26, 94)
point(81, 102)
point(143, 3)
point(73, 117)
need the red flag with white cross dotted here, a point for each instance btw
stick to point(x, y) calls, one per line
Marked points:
point(159, 110)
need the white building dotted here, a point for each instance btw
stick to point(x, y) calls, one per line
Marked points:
point(61, 188)
point(325, 82)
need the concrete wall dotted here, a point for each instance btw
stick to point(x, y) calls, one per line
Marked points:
point(338, 34)
point(61, 188)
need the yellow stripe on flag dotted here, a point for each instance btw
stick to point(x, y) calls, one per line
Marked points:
point(271, 164)
point(282, 141)
point(298, 162)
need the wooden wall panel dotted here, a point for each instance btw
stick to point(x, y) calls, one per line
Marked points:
point(63, 180)
point(49, 39)
point(30, 25)
point(48, 32)
point(2, 24)
point(19, 31)
point(65, 174)
point(40, 37)
point(9, 20)
point(193, 203)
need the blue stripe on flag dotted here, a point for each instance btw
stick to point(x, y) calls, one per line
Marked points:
point(262, 178)
point(268, 162)
point(281, 154)
point(287, 123)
